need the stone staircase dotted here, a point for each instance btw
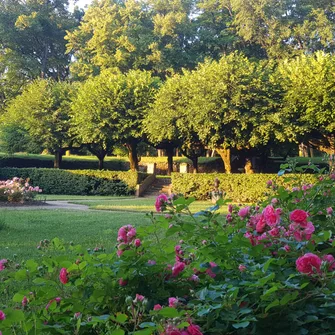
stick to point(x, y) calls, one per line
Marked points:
point(160, 185)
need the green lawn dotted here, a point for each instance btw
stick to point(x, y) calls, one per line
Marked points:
point(24, 229)
point(53, 197)
point(139, 205)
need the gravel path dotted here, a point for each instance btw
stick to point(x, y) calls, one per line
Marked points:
point(49, 205)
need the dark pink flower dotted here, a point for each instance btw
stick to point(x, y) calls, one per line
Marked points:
point(137, 243)
point(151, 262)
point(261, 224)
point(157, 307)
point(2, 316)
point(242, 267)
point(194, 330)
point(299, 216)
point(139, 297)
point(330, 260)
point(123, 282)
point(243, 212)
point(173, 302)
point(160, 202)
point(63, 276)
point(77, 315)
point(230, 208)
point(24, 301)
point(329, 210)
point(270, 216)
point(177, 268)
point(309, 264)
point(2, 264)
point(209, 270)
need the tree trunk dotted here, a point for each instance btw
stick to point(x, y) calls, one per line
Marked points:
point(225, 155)
point(101, 162)
point(169, 152)
point(133, 159)
point(195, 164)
point(58, 159)
point(248, 166)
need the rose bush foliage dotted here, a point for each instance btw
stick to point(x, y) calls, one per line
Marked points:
point(265, 268)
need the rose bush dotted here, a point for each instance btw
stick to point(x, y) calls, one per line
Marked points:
point(17, 190)
point(268, 268)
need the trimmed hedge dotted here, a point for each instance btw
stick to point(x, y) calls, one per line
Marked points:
point(238, 187)
point(77, 182)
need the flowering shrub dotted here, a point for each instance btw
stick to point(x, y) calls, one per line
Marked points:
point(17, 190)
point(267, 268)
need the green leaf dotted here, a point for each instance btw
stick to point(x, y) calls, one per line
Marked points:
point(121, 318)
point(118, 332)
point(18, 297)
point(169, 312)
point(243, 324)
point(273, 304)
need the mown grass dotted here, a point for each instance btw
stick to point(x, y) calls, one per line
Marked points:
point(22, 230)
point(143, 205)
point(61, 197)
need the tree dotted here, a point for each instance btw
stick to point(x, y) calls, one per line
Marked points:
point(309, 98)
point(43, 110)
point(112, 106)
point(286, 28)
point(151, 35)
point(168, 123)
point(233, 105)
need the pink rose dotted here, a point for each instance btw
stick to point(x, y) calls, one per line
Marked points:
point(242, 267)
point(123, 282)
point(151, 262)
point(299, 216)
point(330, 260)
point(160, 202)
point(157, 307)
point(269, 183)
point(2, 316)
point(209, 270)
point(137, 243)
point(77, 315)
point(230, 208)
point(63, 276)
point(287, 248)
point(139, 298)
point(309, 264)
point(173, 302)
point(177, 268)
point(260, 226)
point(270, 216)
point(24, 301)
point(243, 212)
point(329, 210)
point(194, 330)
point(2, 264)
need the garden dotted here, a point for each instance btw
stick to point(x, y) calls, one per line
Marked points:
point(167, 167)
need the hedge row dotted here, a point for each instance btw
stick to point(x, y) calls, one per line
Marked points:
point(77, 182)
point(238, 187)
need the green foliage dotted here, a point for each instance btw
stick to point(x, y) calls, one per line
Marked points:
point(77, 182)
point(226, 286)
point(237, 187)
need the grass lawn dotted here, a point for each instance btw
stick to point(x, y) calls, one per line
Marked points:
point(24, 229)
point(53, 197)
point(144, 205)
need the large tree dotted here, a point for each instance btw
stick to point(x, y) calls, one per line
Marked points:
point(111, 108)
point(309, 98)
point(168, 123)
point(43, 110)
point(233, 105)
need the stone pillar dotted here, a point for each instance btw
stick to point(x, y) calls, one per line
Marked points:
point(183, 168)
point(151, 168)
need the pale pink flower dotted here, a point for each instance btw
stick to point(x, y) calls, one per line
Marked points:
point(139, 298)
point(242, 267)
point(329, 210)
point(330, 260)
point(271, 217)
point(173, 302)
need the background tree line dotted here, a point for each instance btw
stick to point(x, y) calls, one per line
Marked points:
point(236, 76)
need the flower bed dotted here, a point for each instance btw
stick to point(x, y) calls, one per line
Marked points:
point(17, 190)
point(261, 269)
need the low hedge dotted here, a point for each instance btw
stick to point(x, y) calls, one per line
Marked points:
point(78, 182)
point(238, 187)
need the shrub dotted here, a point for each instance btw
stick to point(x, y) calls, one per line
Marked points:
point(254, 270)
point(17, 190)
point(81, 182)
point(237, 187)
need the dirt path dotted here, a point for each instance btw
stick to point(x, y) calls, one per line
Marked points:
point(49, 205)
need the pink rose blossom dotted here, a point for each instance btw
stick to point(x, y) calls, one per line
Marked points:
point(157, 307)
point(194, 278)
point(2, 264)
point(229, 218)
point(274, 201)
point(329, 210)
point(139, 298)
point(137, 243)
point(287, 248)
point(209, 270)
point(230, 208)
point(261, 224)
point(269, 183)
point(63, 276)
point(160, 203)
point(309, 264)
point(299, 216)
point(151, 262)
point(178, 268)
point(173, 302)
point(2, 316)
point(243, 212)
point(123, 282)
point(24, 301)
point(77, 315)
point(242, 267)
point(270, 216)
